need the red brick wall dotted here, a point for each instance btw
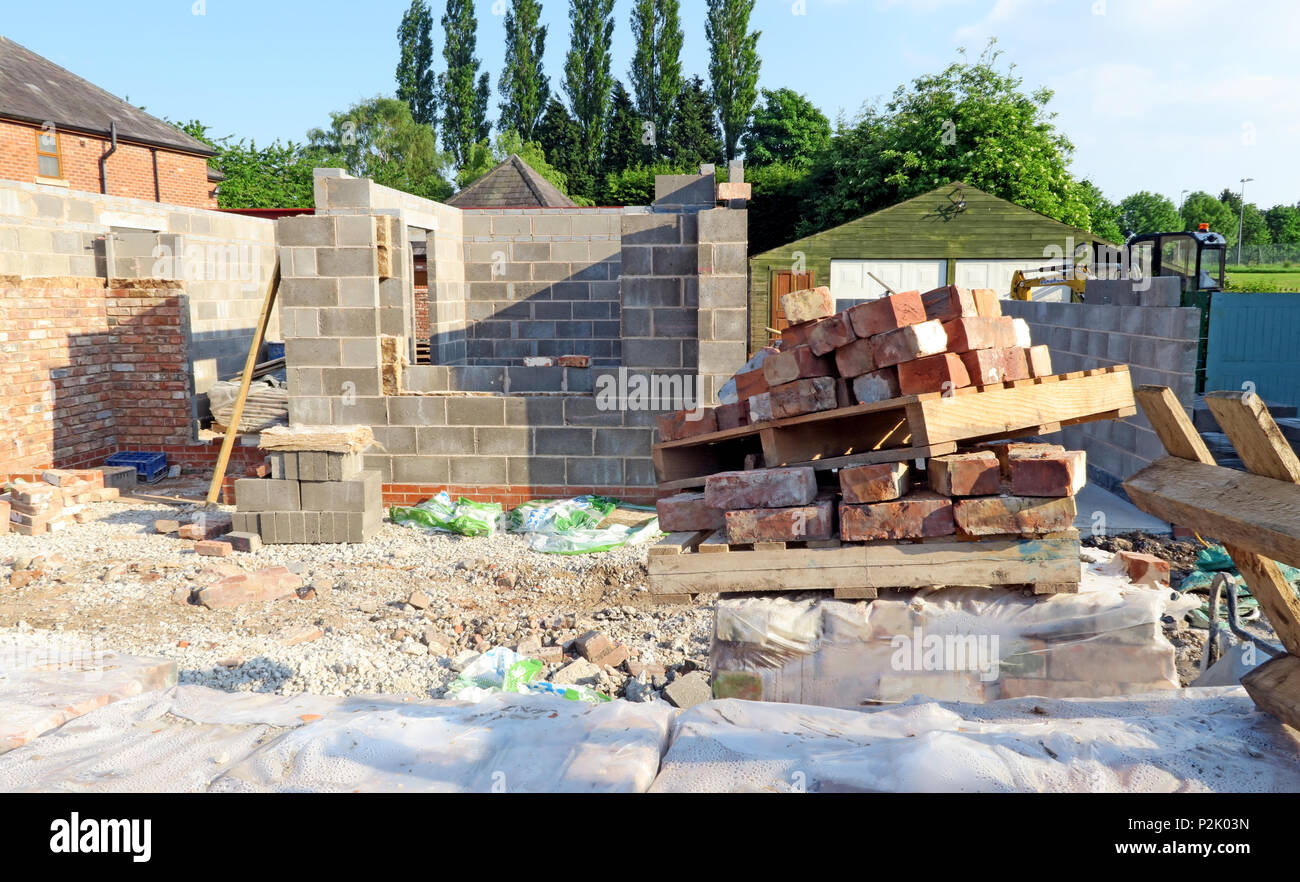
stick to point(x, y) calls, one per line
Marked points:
point(182, 177)
point(514, 496)
point(87, 371)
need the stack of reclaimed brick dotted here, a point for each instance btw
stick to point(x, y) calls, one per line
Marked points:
point(313, 497)
point(904, 344)
point(51, 501)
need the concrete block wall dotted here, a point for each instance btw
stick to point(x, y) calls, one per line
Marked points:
point(542, 282)
point(1159, 344)
point(225, 260)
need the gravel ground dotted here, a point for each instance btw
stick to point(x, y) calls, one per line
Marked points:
point(114, 583)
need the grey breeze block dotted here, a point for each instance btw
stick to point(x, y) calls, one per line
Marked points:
point(362, 494)
point(315, 466)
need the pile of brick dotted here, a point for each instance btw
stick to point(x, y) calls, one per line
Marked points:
point(312, 498)
point(51, 501)
point(995, 489)
point(904, 344)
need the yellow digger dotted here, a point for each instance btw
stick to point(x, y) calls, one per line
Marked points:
point(1073, 276)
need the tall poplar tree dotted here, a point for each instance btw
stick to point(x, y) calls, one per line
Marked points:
point(733, 66)
point(656, 72)
point(462, 93)
point(524, 87)
point(587, 78)
point(415, 81)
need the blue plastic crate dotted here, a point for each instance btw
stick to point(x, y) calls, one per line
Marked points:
point(149, 467)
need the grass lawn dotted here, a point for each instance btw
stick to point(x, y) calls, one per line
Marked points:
point(1264, 279)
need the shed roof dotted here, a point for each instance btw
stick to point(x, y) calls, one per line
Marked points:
point(938, 225)
point(36, 90)
point(512, 184)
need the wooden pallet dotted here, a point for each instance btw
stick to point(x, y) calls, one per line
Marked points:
point(902, 429)
point(686, 564)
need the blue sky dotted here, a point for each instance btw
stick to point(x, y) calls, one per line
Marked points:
point(1166, 95)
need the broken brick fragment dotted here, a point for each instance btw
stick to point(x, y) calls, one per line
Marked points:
point(808, 305)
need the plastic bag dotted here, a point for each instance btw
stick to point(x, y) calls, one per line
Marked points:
point(495, 671)
point(464, 517)
point(569, 692)
point(593, 541)
point(561, 516)
point(1212, 560)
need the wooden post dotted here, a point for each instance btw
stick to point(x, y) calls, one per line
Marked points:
point(232, 431)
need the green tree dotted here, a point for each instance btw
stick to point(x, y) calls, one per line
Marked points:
point(774, 214)
point(1146, 212)
point(635, 185)
point(484, 157)
point(693, 135)
point(733, 66)
point(415, 81)
point(656, 72)
point(587, 78)
point(1202, 208)
point(277, 176)
point(622, 142)
point(524, 86)
point(972, 122)
point(560, 138)
point(378, 139)
point(462, 93)
point(1283, 223)
point(786, 128)
point(1103, 215)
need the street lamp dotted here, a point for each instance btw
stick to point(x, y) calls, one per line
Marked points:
point(1241, 220)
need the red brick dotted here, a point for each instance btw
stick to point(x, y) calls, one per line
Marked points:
point(575, 361)
point(166, 526)
point(989, 366)
point(988, 303)
point(807, 306)
point(937, 373)
point(886, 314)
point(762, 488)
point(830, 334)
point(795, 335)
point(798, 363)
point(751, 383)
point(1039, 359)
point(760, 408)
point(245, 543)
point(803, 396)
point(881, 385)
point(1011, 515)
point(1048, 473)
point(23, 578)
point(977, 332)
point(1004, 450)
point(965, 474)
point(908, 343)
point(1145, 569)
point(687, 423)
point(686, 513)
point(732, 416)
point(205, 526)
point(213, 548)
point(918, 516)
point(276, 583)
point(948, 303)
point(883, 482)
point(796, 524)
point(855, 359)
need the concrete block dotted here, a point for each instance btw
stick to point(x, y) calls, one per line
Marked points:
point(262, 495)
point(360, 494)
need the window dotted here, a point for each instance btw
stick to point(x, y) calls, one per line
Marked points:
point(48, 163)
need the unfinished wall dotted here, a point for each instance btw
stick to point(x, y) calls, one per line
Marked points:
point(502, 430)
point(224, 260)
point(90, 370)
point(1159, 343)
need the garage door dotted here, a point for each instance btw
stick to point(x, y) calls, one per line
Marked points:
point(996, 274)
point(850, 283)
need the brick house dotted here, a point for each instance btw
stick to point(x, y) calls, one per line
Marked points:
point(60, 130)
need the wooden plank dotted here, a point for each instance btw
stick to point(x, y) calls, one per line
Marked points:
point(1251, 429)
point(1172, 425)
point(996, 411)
point(678, 543)
point(715, 544)
point(250, 364)
point(1275, 688)
point(1261, 574)
point(769, 546)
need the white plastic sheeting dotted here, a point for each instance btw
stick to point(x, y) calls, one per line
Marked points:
point(1191, 740)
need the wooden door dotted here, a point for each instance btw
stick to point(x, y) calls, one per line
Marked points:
point(783, 282)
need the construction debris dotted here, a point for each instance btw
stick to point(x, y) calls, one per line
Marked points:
point(321, 439)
